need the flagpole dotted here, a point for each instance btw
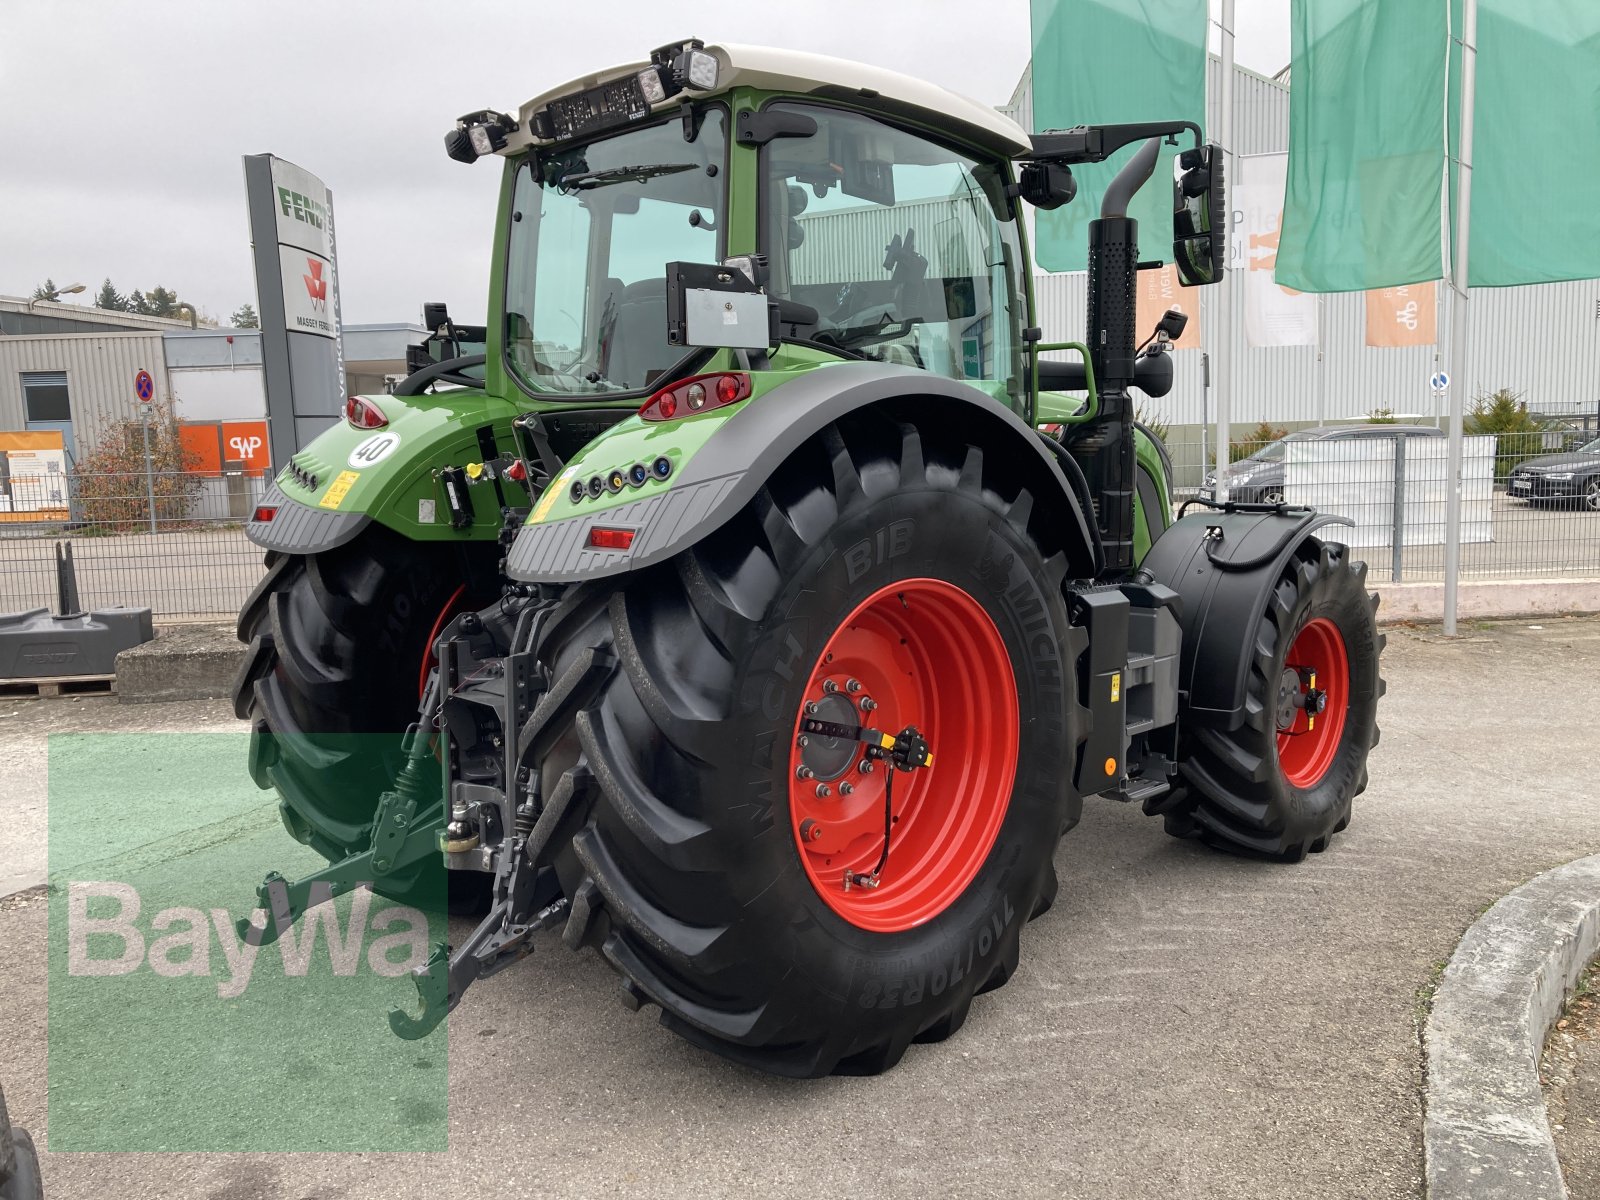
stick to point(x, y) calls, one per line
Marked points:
point(1459, 284)
point(1222, 346)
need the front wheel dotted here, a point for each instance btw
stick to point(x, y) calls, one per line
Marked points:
point(770, 888)
point(1281, 784)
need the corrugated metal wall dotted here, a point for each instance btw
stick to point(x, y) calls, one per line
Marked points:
point(1541, 341)
point(100, 370)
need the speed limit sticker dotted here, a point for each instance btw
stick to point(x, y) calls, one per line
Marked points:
point(374, 450)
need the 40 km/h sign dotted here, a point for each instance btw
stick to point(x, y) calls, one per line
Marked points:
point(144, 387)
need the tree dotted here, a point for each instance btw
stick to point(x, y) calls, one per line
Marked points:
point(109, 298)
point(1504, 415)
point(45, 291)
point(160, 302)
point(244, 317)
point(137, 303)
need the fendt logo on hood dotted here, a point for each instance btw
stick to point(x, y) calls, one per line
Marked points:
point(316, 285)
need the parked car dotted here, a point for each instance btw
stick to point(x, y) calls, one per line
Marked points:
point(1258, 479)
point(1559, 477)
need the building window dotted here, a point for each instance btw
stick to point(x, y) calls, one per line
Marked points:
point(44, 396)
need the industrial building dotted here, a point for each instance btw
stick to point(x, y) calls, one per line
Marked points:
point(72, 368)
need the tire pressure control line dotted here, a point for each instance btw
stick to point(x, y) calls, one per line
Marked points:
point(905, 751)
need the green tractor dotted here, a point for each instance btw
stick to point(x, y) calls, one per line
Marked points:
point(731, 613)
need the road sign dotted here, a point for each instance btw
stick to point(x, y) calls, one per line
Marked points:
point(1439, 382)
point(144, 387)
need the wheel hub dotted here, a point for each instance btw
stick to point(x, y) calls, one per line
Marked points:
point(1313, 696)
point(919, 655)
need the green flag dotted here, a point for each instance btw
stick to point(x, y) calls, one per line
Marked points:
point(1363, 204)
point(1100, 62)
point(1535, 140)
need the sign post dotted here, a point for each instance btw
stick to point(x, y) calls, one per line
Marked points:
point(297, 295)
point(144, 387)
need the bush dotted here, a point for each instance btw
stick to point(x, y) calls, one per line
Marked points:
point(1381, 416)
point(1504, 414)
point(1153, 420)
point(112, 489)
point(1257, 439)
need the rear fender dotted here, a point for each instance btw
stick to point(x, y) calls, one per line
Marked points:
point(347, 478)
point(1224, 567)
point(727, 468)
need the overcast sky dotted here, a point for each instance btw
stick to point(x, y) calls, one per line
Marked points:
point(122, 124)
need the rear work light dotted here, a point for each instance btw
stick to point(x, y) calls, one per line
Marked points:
point(602, 538)
point(363, 413)
point(697, 394)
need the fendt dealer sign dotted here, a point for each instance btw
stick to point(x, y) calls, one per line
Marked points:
point(297, 286)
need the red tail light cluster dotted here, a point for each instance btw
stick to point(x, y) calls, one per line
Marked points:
point(363, 413)
point(697, 394)
point(602, 538)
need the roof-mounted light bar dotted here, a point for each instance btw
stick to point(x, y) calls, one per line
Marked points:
point(478, 135)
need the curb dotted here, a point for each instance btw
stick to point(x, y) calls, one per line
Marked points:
point(1478, 599)
point(184, 662)
point(1485, 1134)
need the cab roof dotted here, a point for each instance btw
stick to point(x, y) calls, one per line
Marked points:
point(821, 75)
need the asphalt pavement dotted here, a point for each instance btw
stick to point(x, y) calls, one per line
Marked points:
point(1184, 1023)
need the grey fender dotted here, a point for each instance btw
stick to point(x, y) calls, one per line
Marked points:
point(728, 471)
point(300, 529)
point(1224, 567)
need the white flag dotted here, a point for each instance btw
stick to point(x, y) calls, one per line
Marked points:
point(1273, 315)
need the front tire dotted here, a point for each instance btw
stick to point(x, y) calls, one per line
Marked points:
point(1282, 783)
point(676, 791)
point(339, 646)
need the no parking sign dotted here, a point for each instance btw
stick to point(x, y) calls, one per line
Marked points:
point(144, 387)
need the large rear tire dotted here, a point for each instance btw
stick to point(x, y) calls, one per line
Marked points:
point(1283, 782)
point(674, 795)
point(340, 643)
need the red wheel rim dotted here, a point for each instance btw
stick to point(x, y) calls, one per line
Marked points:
point(1306, 749)
point(445, 614)
point(922, 652)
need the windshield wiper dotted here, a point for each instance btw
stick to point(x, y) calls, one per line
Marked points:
point(586, 180)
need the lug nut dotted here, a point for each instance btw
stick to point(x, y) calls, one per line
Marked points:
point(829, 686)
point(823, 791)
point(811, 707)
point(865, 766)
point(852, 685)
point(810, 831)
point(868, 704)
point(803, 772)
point(846, 789)
point(802, 741)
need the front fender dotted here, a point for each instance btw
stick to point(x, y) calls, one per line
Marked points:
point(347, 477)
point(726, 469)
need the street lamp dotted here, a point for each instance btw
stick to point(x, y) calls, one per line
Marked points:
point(56, 294)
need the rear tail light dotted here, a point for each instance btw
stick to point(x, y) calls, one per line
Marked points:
point(265, 512)
point(601, 538)
point(363, 413)
point(697, 394)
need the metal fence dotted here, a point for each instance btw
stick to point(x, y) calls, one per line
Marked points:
point(170, 541)
point(174, 542)
point(1530, 500)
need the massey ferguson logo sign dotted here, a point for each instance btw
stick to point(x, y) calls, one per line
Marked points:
point(316, 285)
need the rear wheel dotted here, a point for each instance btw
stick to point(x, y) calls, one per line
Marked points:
point(884, 577)
point(1282, 783)
point(1591, 494)
point(340, 642)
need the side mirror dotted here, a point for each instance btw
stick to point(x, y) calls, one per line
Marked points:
point(1199, 217)
point(1047, 185)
